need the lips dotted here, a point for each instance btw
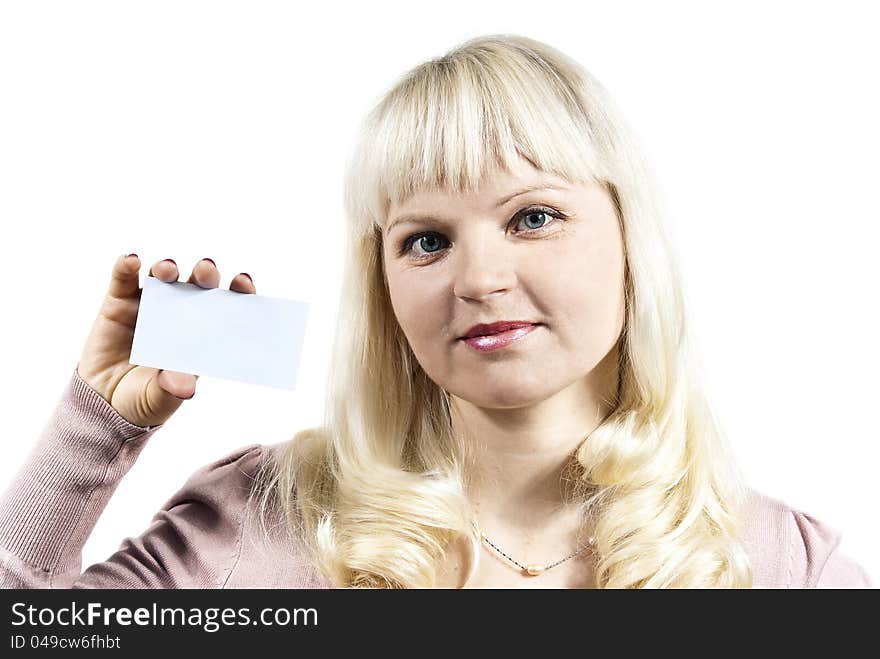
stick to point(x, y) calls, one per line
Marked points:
point(496, 328)
point(491, 342)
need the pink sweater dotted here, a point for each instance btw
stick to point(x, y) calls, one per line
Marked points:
point(205, 536)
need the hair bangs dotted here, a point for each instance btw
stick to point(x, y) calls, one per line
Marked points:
point(451, 120)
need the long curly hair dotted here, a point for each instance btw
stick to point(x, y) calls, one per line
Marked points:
point(376, 494)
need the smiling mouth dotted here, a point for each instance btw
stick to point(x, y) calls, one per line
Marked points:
point(502, 339)
point(497, 328)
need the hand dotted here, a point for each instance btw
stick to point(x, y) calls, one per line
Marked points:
point(142, 395)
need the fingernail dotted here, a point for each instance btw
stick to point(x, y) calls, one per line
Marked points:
point(170, 261)
point(248, 276)
point(211, 260)
point(128, 255)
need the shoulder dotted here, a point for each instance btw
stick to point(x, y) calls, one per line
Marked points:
point(790, 548)
point(226, 479)
point(270, 553)
point(230, 482)
point(194, 540)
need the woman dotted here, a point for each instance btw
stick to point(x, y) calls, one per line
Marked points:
point(514, 399)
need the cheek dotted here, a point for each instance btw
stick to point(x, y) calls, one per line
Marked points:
point(419, 307)
point(583, 293)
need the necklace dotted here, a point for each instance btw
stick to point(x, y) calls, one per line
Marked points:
point(534, 569)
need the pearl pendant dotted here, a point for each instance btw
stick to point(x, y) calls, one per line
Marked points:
point(534, 570)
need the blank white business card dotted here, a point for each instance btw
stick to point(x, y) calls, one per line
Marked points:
point(219, 333)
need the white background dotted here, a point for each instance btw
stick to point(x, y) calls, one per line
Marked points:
point(191, 129)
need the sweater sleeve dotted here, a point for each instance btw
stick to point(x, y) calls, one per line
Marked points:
point(195, 539)
point(56, 497)
point(817, 559)
point(841, 571)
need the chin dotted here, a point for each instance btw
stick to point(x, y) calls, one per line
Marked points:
point(508, 397)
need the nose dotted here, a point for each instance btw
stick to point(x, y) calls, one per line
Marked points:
point(482, 268)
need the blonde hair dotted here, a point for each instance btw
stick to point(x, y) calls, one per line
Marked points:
point(376, 493)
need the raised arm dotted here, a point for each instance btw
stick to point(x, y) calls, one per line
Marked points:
point(56, 497)
point(107, 413)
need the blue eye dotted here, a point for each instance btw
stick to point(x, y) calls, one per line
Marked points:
point(428, 240)
point(536, 213)
point(431, 241)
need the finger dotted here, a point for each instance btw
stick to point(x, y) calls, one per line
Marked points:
point(124, 278)
point(165, 270)
point(205, 274)
point(242, 283)
point(160, 402)
point(179, 385)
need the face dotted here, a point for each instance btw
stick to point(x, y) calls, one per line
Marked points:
point(550, 257)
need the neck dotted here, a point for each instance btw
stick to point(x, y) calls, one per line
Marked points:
point(521, 456)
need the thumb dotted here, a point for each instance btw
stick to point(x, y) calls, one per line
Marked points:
point(167, 391)
point(179, 385)
point(154, 396)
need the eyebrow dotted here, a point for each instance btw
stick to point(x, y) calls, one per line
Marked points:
point(412, 219)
